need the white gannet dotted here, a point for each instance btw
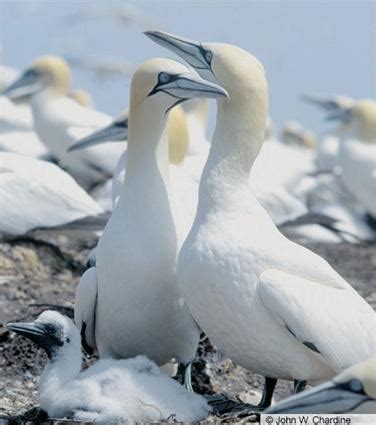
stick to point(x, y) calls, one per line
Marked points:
point(269, 304)
point(109, 391)
point(352, 391)
point(357, 153)
point(60, 120)
point(327, 146)
point(130, 303)
point(36, 193)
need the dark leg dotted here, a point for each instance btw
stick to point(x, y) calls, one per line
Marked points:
point(267, 394)
point(299, 386)
point(222, 405)
point(185, 371)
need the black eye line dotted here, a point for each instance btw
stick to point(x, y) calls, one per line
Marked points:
point(159, 86)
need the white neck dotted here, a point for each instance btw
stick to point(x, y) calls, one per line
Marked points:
point(237, 140)
point(147, 151)
point(61, 369)
point(197, 132)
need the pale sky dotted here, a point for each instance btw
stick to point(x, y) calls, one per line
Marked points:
point(326, 47)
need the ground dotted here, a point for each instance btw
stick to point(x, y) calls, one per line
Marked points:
point(47, 272)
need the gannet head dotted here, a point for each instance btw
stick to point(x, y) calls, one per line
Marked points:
point(82, 97)
point(293, 133)
point(234, 69)
point(53, 332)
point(164, 83)
point(220, 63)
point(363, 120)
point(353, 389)
point(47, 73)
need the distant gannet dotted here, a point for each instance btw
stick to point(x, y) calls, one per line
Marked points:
point(352, 391)
point(82, 97)
point(36, 194)
point(60, 120)
point(327, 147)
point(109, 391)
point(269, 304)
point(130, 303)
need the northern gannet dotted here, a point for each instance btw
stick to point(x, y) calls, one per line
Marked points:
point(60, 120)
point(130, 303)
point(352, 391)
point(357, 152)
point(269, 304)
point(327, 147)
point(35, 193)
point(109, 391)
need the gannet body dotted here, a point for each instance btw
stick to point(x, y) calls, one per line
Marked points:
point(59, 120)
point(357, 154)
point(250, 289)
point(352, 391)
point(139, 308)
point(109, 391)
point(36, 193)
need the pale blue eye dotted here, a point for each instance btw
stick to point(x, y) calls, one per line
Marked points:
point(208, 56)
point(164, 78)
point(355, 385)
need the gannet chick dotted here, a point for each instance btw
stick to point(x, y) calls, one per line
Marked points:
point(352, 391)
point(35, 194)
point(357, 152)
point(132, 390)
point(269, 304)
point(130, 304)
point(60, 120)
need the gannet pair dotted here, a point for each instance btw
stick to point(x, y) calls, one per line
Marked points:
point(352, 391)
point(59, 120)
point(269, 304)
point(35, 193)
point(130, 303)
point(110, 391)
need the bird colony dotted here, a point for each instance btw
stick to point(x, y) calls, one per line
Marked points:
point(193, 237)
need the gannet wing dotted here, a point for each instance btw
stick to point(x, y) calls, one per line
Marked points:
point(334, 322)
point(84, 309)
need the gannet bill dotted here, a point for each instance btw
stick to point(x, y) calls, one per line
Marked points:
point(60, 120)
point(352, 391)
point(109, 391)
point(357, 152)
point(250, 289)
point(139, 308)
point(35, 193)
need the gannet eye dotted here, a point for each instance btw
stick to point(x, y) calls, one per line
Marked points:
point(67, 339)
point(356, 386)
point(208, 56)
point(164, 77)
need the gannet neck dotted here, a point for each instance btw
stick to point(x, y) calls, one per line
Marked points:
point(147, 146)
point(237, 140)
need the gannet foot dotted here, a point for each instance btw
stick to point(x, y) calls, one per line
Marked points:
point(224, 406)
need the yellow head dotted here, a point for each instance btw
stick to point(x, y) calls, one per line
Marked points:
point(47, 73)
point(363, 120)
point(364, 373)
